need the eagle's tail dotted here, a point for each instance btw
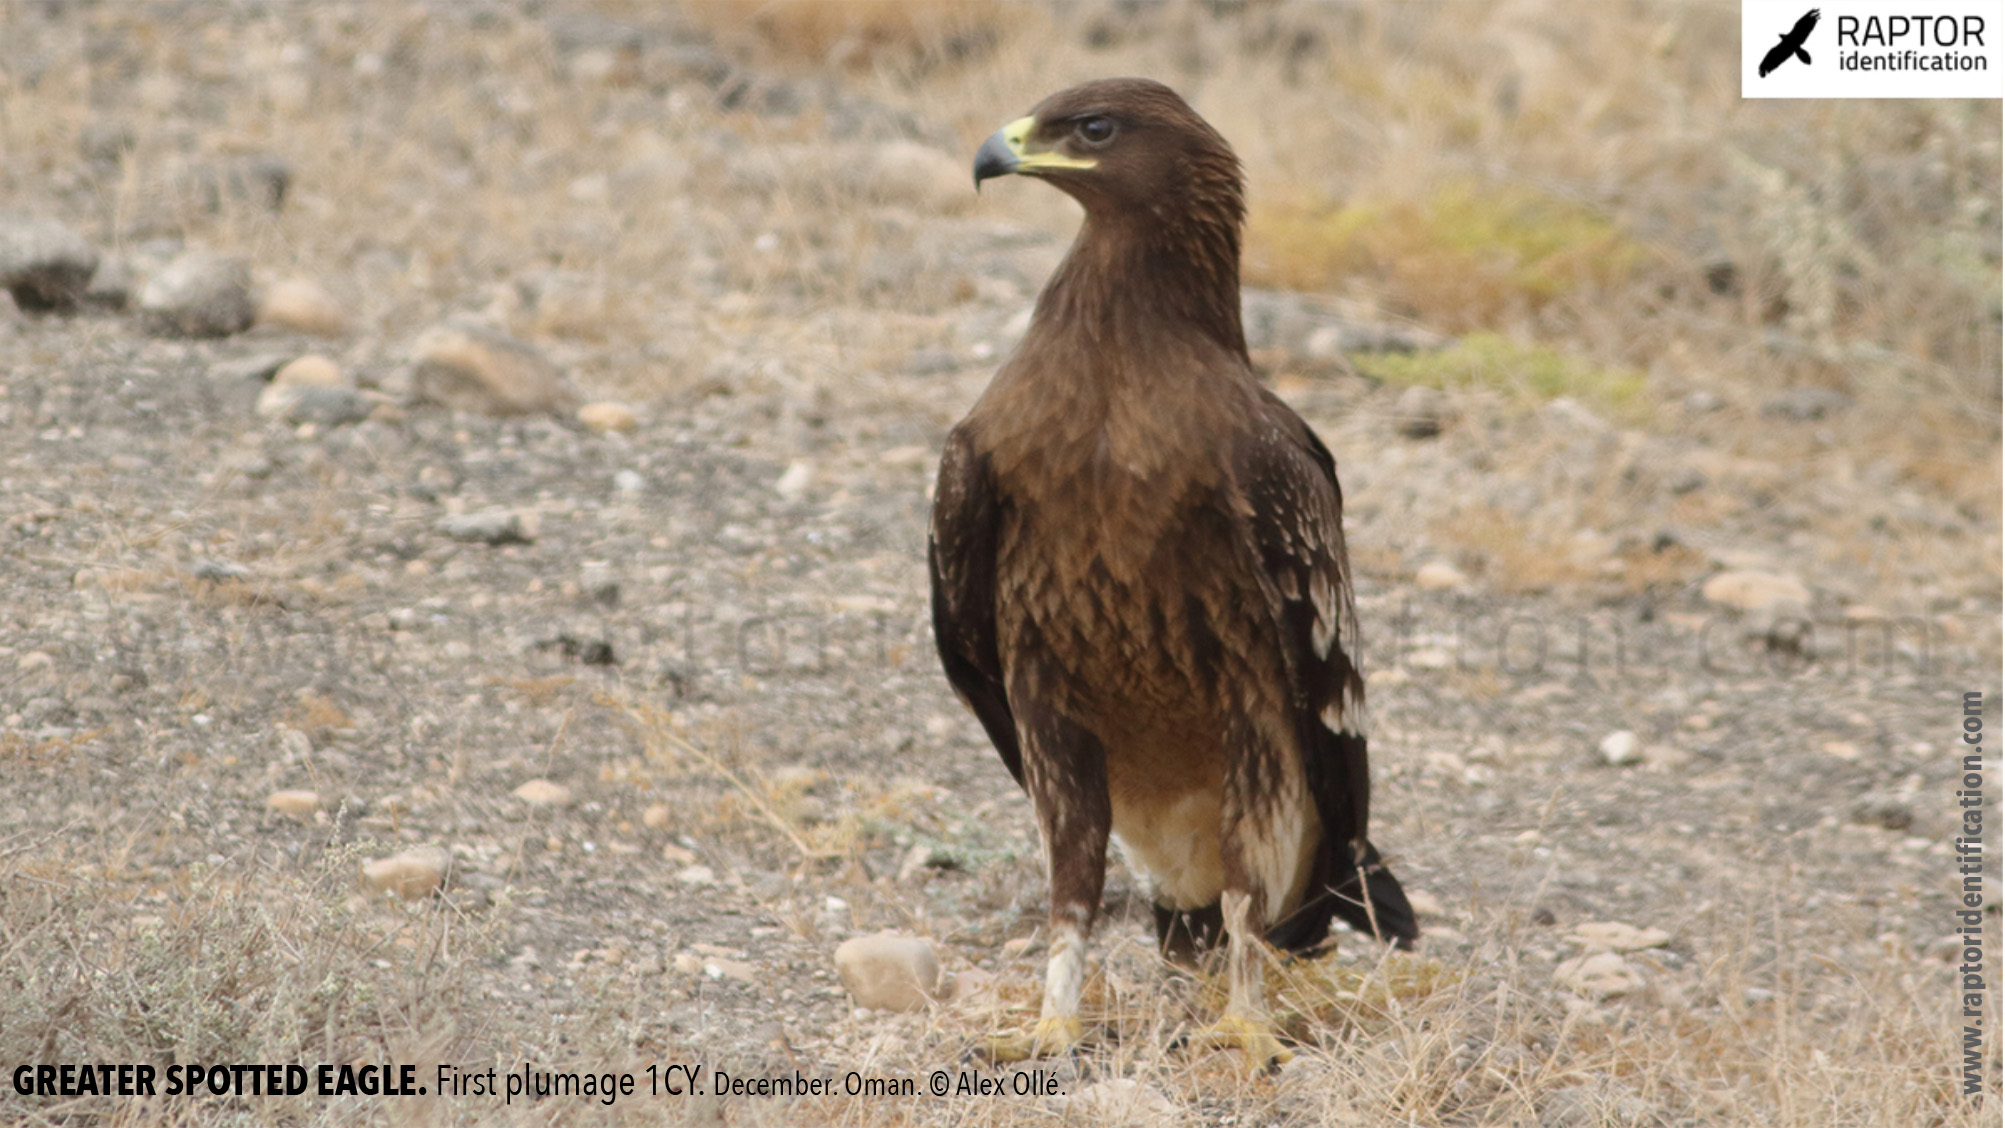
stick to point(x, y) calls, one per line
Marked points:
point(1359, 891)
point(1380, 906)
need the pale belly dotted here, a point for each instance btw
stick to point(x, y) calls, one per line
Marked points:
point(1173, 842)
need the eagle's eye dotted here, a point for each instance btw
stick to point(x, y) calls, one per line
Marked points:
point(1095, 131)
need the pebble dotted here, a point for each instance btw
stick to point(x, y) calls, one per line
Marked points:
point(322, 407)
point(494, 525)
point(1439, 575)
point(696, 876)
point(199, 294)
point(43, 264)
point(793, 484)
point(1621, 747)
point(301, 305)
point(410, 875)
point(1754, 591)
point(629, 481)
point(299, 804)
point(1883, 809)
point(1421, 412)
point(470, 367)
point(309, 371)
point(1615, 936)
point(604, 417)
point(889, 971)
point(1118, 1102)
point(258, 368)
point(1598, 975)
point(543, 793)
point(658, 816)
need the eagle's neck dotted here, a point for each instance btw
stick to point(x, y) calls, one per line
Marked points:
point(1136, 287)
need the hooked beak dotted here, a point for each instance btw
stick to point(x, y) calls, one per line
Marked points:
point(1008, 151)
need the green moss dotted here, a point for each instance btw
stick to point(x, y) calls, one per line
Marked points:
point(1530, 372)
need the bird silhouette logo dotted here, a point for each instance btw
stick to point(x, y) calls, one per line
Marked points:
point(1791, 44)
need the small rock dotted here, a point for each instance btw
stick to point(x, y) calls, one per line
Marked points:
point(1621, 747)
point(1885, 810)
point(322, 407)
point(601, 418)
point(410, 875)
point(1841, 749)
point(258, 367)
point(1599, 975)
point(1753, 591)
point(1439, 575)
point(1703, 403)
point(199, 294)
point(309, 371)
point(629, 481)
point(494, 525)
point(216, 571)
point(889, 971)
point(469, 367)
point(301, 305)
point(298, 804)
point(543, 793)
point(793, 485)
point(697, 876)
point(1615, 936)
point(718, 967)
point(1806, 405)
point(43, 264)
point(1685, 479)
point(658, 816)
point(1119, 1102)
point(1569, 412)
point(1421, 412)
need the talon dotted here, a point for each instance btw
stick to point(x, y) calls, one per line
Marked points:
point(1264, 1049)
point(1049, 1038)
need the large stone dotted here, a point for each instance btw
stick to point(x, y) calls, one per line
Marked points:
point(1598, 975)
point(411, 875)
point(199, 294)
point(470, 367)
point(889, 971)
point(301, 305)
point(309, 371)
point(43, 264)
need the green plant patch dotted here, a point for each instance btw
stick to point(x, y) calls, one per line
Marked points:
point(1534, 373)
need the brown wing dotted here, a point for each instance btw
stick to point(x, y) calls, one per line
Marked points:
point(1289, 481)
point(961, 557)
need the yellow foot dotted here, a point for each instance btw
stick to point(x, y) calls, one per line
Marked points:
point(1256, 1036)
point(1050, 1037)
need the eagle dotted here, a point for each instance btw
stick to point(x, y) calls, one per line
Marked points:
point(1791, 43)
point(1139, 582)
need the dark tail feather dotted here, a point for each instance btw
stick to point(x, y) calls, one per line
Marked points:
point(1388, 906)
point(1339, 777)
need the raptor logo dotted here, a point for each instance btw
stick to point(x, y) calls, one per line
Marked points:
point(1791, 44)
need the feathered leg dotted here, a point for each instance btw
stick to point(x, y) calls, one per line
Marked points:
point(1065, 771)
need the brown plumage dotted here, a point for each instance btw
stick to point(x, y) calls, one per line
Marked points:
point(1139, 580)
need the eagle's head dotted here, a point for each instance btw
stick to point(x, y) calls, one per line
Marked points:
point(1120, 146)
